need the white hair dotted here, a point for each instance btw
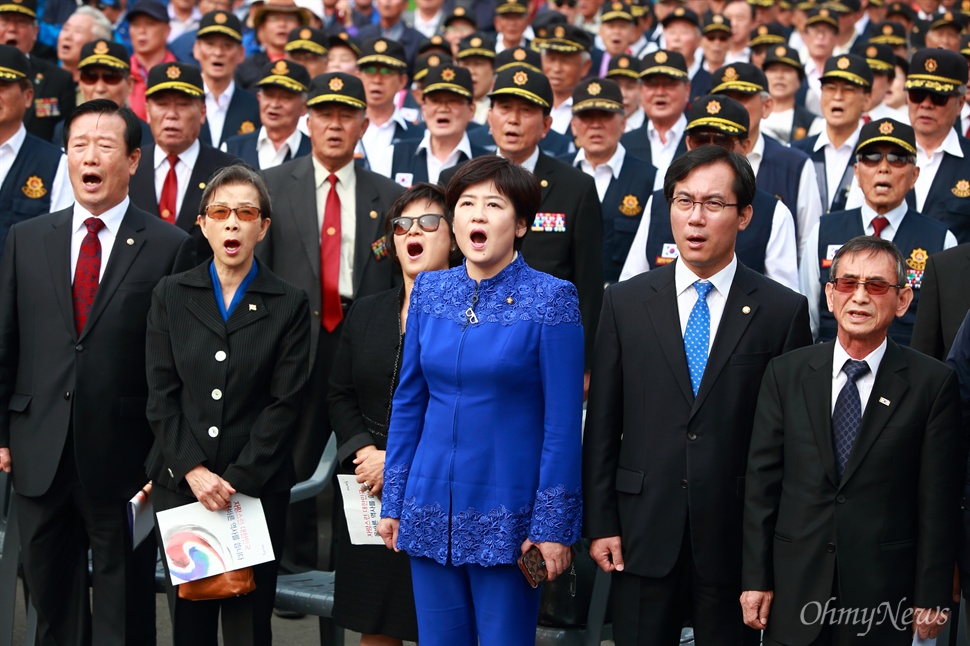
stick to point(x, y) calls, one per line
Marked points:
point(101, 28)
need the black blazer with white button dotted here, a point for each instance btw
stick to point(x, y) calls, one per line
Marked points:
point(226, 394)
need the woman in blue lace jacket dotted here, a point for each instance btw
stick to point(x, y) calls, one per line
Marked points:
point(483, 453)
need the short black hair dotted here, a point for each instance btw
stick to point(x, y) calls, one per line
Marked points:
point(238, 174)
point(424, 193)
point(514, 182)
point(107, 106)
point(744, 185)
point(871, 246)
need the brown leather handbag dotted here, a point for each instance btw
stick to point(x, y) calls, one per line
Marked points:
point(219, 586)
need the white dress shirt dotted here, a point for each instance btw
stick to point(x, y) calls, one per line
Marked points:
point(836, 159)
point(809, 270)
point(216, 110)
point(62, 194)
point(684, 280)
point(530, 162)
point(663, 152)
point(883, 111)
point(267, 153)
point(177, 26)
point(604, 173)
point(778, 124)
point(929, 165)
point(378, 140)
point(106, 236)
point(863, 383)
point(183, 171)
point(347, 192)
point(635, 120)
point(435, 165)
point(428, 28)
point(562, 116)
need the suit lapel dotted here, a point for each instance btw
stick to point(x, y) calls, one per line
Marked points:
point(188, 214)
point(818, 399)
point(58, 242)
point(252, 308)
point(546, 177)
point(303, 202)
point(661, 309)
point(369, 224)
point(142, 182)
point(201, 302)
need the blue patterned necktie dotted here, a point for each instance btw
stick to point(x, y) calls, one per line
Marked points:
point(848, 412)
point(697, 336)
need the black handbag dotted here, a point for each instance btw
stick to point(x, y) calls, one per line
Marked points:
point(565, 601)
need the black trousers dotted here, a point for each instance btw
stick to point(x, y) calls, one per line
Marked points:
point(652, 611)
point(56, 531)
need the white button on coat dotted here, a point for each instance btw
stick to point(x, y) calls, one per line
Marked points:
point(220, 355)
point(217, 394)
point(213, 431)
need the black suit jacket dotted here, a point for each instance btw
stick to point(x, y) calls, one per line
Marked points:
point(886, 532)
point(242, 117)
point(143, 192)
point(267, 343)
point(54, 98)
point(52, 379)
point(291, 247)
point(943, 302)
point(656, 457)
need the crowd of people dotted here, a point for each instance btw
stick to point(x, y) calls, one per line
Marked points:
point(735, 230)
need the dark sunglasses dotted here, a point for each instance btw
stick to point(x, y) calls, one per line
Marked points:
point(568, 3)
point(918, 96)
point(110, 77)
point(698, 139)
point(428, 222)
point(873, 287)
point(897, 160)
point(221, 212)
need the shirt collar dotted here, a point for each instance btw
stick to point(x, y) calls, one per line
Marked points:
point(15, 142)
point(293, 141)
point(894, 216)
point(636, 119)
point(840, 356)
point(823, 139)
point(111, 218)
point(464, 146)
point(950, 145)
point(187, 157)
point(675, 131)
point(614, 163)
point(320, 174)
point(758, 152)
point(225, 97)
point(684, 277)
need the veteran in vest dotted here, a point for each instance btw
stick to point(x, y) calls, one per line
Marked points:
point(886, 170)
point(766, 245)
point(33, 173)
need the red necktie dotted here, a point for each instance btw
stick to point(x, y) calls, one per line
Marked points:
point(87, 273)
point(878, 224)
point(866, 118)
point(170, 191)
point(330, 259)
point(967, 134)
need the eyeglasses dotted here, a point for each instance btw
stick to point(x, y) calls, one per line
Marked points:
point(918, 96)
point(221, 212)
point(428, 222)
point(896, 160)
point(845, 88)
point(873, 287)
point(686, 205)
point(110, 77)
point(698, 139)
point(383, 71)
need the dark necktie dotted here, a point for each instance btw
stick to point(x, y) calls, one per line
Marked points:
point(170, 191)
point(847, 414)
point(87, 273)
point(878, 224)
point(697, 336)
point(330, 259)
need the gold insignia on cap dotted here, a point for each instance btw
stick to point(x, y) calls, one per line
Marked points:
point(930, 65)
point(843, 63)
point(887, 30)
point(380, 46)
point(448, 74)
point(305, 34)
point(730, 74)
point(343, 35)
point(459, 11)
point(34, 188)
point(713, 107)
point(763, 30)
point(679, 11)
point(594, 89)
point(823, 12)
point(434, 61)
point(661, 57)
point(436, 40)
point(246, 127)
point(336, 84)
point(780, 50)
point(101, 48)
point(560, 31)
point(220, 18)
point(281, 68)
point(173, 72)
point(617, 6)
point(520, 54)
point(475, 42)
point(718, 19)
point(872, 52)
point(962, 189)
point(624, 62)
point(886, 127)
point(630, 205)
point(520, 78)
point(948, 16)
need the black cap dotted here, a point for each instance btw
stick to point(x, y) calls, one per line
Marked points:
point(425, 62)
point(307, 39)
point(617, 11)
point(220, 22)
point(889, 33)
point(24, 7)
point(902, 9)
point(449, 78)
point(664, 62)
point(887, 131)
point(965, 44)
point(824, 16)
point(104, 52)
point(715, 22)
point(285, 74)
point(518, 56)
point(476, 44)
point(337, 87)
point(937, 70)
point(784, 55)
point(597, 94)
point(718, 112)
point(744, 78)
point(544, 23)
point(149, 8)
point(435, 43)
point(949, 19)
point(681, 13)
point(568, 39)
point(771, 34)
point(14, 66)
point(459, 13)
point(625, 66)
point(525, 84)
point(177, 77)
point(848, 67)
point(383, 51)
point(512, 6)
point(343, 39)
point(880, 57)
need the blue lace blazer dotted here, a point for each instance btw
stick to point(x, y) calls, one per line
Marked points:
point(485, 439)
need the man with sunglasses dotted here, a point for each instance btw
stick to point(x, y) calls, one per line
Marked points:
point(851, 496)
point(885, 169)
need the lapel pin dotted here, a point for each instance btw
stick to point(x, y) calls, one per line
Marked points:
point(884, 401)
point(130, 241)
point(202, 185)
point(373, 215)
point(544, 183)
point(252, 307)
point(745, 310)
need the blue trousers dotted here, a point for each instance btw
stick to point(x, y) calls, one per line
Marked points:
point(465, 605)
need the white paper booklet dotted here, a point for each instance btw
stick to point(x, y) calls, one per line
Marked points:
point(363, 511)
point(199, 543)
point(141, 516)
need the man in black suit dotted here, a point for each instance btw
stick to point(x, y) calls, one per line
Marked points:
point(670, 410)
point(944, 301)
point(174, 171)
point(54, 96)
point(73, 429)
point(852, 491)
point(302, 196)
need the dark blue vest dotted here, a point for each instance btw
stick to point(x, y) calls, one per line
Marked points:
point(623, 206)
point(949, 198)
point(26, 191)
point(830, 203)
point(780, 173)
point(917, 238)
point(751, 245)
